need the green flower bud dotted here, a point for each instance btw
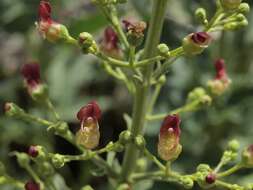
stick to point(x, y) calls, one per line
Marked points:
point(140, 142)
point(87, 187)
point(123, 186)
point(196, 94)
point(230, 4)
point(204, 168)
point(187, 182)
point(23, 159)
point(141, 164)
point(87, 43)
point(200, 14)
point(58, 160)
point(163, 50)
point(162, 79)
point(247, 157)
point(125, 137)
point(13, 110)
point(234, 145)
point(244, 8)
point(195, 43)
point(40, 93)
point(235, 25)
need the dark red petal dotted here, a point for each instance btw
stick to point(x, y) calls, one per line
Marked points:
point(201, 37)
point(31, 185)
point(33, 151)
point(111, 38)
point(92, 109)
point(220, 69)
point(210, 178)
point(171, 122)
point(44, 10)
point(31, 73)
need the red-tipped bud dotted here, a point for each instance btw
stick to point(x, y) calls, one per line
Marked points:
point(195, 43)
point(110, 42)
point(33, 151)
point(44, 11)
point(88, 135)
point(210, 178)
point(221, 82)
point(168, 145)
point(31, 185)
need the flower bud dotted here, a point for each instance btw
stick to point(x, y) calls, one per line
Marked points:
point(234, 145)
point(203, 168)
point(244, 8)
point(163, 50)
point(109, 45)
point(23, 159)
point(199, 94)
point(247, 157)
point(235, 25)
point(12, 110)
point(210, 178)
point(221, 82)
point(200, 14)
point(187, 182)
point(135, 32)
point(230, 4)
point(125, 137)
point(87, 43)
point(140, 142)
point(31, 185)
point(168, 145)
point(33, 151)
point(195, 43)
point(58, 160)
point(87, 187)
point(124, 186)
point(88, 135)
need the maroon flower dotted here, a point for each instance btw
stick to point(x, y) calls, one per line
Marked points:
point(220, 69)
point(31, 185)
point(31, 73)
point(91, 110)
point(33, 151)
point(201, 38)
point(210, 178)
point(168, 145)
point(44, 11)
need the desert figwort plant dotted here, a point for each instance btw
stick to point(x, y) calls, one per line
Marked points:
point(143, 71)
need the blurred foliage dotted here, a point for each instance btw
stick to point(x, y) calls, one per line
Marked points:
point(75, 79)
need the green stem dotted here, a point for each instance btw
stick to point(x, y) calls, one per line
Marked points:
point(146, 175)
point(112, 61)
point(142, 90)
point(230, 171)
point(52, 109)
point(131, 55)
point(31, 118)
point(154, 159)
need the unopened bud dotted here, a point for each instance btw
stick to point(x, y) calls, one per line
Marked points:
point(33, 151)
point(247, 157)
point(58, 160)
point(187, 182)
point(210, 178)
point(244, 8)
point(200, 14)
point(12, 110)
point(163, 50)
point(87, 187)
point(87, 43)
point(234, 145)
point(31, 185)
point(140, 142)
point(23, 159)
point(230, 4)
point(125, 137)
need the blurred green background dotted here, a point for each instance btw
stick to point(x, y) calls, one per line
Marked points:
point(75, 79)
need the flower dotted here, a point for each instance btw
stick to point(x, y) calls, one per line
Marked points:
point(89, 134)
point(47, 27)
point(31, 74)
point(195, 43)
point(33, 151)
point(169, 136)
point(110, 42)
point(135, 31)
point(221, 82)
point(31, 185)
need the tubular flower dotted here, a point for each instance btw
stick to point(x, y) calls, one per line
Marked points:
point(221, 82)
point(195, 43)
point(47, 27)
point(88, 135)
point(168, 145)
point(31, 185)
point(31, 74)
point(110, 42)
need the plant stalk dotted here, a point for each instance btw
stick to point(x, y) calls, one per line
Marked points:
point(142, 90)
